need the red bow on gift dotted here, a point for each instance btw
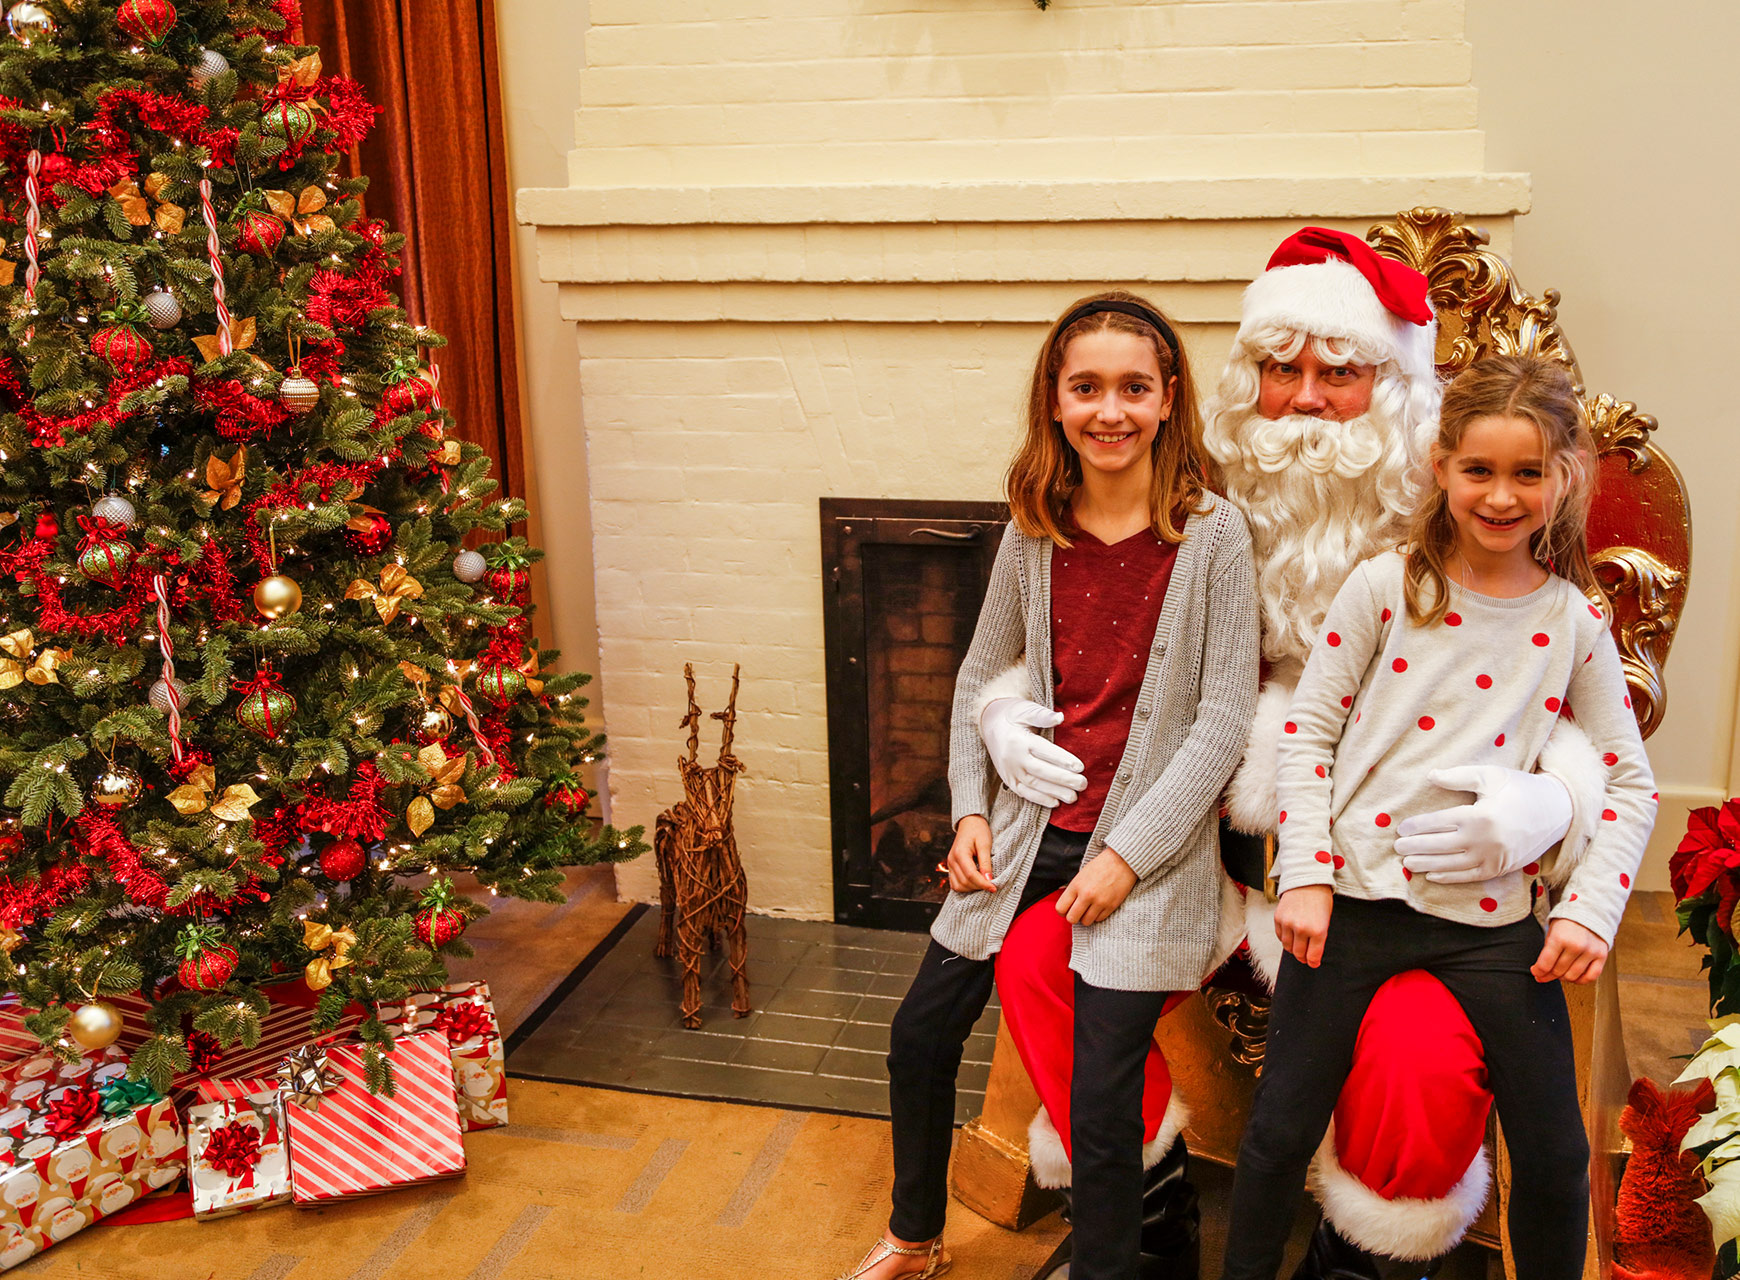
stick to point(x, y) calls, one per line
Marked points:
point(463, 1021)
point(234, 1149)
point(72, 1112)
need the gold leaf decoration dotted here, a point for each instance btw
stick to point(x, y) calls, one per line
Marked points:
point(21, 665)
point(242, 334)
point(397, 586)
point(420, 816)
point(225, 479)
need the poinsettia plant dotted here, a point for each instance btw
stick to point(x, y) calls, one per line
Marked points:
point(1705, 873)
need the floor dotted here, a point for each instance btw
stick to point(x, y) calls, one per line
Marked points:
point(823, 997)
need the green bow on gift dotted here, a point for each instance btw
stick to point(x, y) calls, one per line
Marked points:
point(122, 1096)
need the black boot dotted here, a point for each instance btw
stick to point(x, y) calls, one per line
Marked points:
point(1332, 1258)
point(1171, 1219)
point(1056, 1267)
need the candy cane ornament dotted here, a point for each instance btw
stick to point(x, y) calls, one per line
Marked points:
point(160, 588)
point(213, 251)
point(32, 223)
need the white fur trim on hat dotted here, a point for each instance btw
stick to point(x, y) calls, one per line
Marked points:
point(1045, 1154)
point(1250, 796)
point(1331, 299)
point(1012, 683)
point(1405, 1229)
point(1571, 759)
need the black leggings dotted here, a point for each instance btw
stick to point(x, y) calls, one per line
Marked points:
point(1313, 1026)
point(1112, 1033)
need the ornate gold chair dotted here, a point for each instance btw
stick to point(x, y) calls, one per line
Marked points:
point(1640, 533)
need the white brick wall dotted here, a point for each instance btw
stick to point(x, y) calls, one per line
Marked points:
point(810, 252)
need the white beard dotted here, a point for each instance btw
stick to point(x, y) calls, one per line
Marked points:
point(1320, 497)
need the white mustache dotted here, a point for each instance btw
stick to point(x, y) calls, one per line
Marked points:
point(1346, 449)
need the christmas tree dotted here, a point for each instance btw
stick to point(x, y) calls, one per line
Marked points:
point(252, 682)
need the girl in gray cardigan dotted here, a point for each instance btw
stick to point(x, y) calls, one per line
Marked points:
point(1129, 587)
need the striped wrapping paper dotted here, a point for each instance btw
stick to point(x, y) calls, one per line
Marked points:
point(463, 1012)
point(356, 1143)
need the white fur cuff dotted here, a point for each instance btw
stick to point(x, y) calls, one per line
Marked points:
point(1405, 1229)
point(1265, 946)
point(1051, 1169)
point(1570, 757)
point(1012, 683)
point(1250, 796)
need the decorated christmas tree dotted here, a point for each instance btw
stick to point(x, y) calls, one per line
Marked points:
point(252, 683)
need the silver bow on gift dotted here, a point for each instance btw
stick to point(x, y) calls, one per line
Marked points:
point(306, 1076)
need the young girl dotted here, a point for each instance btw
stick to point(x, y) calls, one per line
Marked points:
point(1128, 586)
point(1465, 646)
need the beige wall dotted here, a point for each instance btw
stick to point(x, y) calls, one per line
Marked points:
point(781, 240)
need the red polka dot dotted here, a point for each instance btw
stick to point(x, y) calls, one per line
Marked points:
point(1553, 704)
point(1542, 639)
point(1322, 772)
point(1323, 855)
point(1358, 716)
point(1656, 796)
point(1594, 612)
point(1590, 658)
point(1333, 639)
point(1531, 868)
point(1347, 701)
point(1489, 904)
point(1406, 874)
point(1572, 898)
point(1385, 616)
point(1282, 818)
point(1452, 619)
point(1610, 759)
point(1340, 862)
point(1498, 741)
point(1426, 722)
point(1628, 700)
point(1383, 819)
point(1624, 881)
point(1290, 727)
point(1607, 815)
point(1483, 681)
point(1400, 664)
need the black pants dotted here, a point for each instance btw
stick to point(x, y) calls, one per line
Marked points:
point(1313, 1026)
point(1112, 1032)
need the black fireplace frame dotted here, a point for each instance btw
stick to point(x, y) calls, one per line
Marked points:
point(848, 525)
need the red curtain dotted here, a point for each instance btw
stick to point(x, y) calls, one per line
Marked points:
point(437, 169)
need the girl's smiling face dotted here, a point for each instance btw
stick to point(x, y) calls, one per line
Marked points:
point(1497, 488)
point(1110, 402)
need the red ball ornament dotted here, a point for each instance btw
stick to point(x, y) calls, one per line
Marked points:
point(147, 20)
point(408, 391)
point(47, 527)
point(260, 232)
point(369, 534)
point(343, 860)
point(206, 961)
point(567, 795)
point(438, 923)
point(122, 346)
point(509, 581)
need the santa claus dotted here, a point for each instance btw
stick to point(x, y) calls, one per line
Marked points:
point(1320, 426)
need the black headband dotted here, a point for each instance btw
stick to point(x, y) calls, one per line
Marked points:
point(1135, 309)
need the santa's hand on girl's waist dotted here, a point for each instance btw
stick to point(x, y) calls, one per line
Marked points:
point(1514, 819)
point(1030, 765)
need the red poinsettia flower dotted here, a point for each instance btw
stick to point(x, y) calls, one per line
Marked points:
point(1709, 857)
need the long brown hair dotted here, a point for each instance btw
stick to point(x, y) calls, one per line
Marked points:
point(1538, 391)
point(1046, 472)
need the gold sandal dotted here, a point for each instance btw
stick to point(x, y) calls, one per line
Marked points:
point(936, 1257)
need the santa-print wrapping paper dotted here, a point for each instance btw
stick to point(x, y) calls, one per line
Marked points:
point(346, 1141)
point(78, 1142)
point(463, 1013)
point(238, 1155)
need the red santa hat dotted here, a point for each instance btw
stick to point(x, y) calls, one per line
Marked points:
point(1330, 284)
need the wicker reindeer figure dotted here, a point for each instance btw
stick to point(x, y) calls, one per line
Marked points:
point(702, 888)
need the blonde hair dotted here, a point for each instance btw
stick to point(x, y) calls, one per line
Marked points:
point(1046, 472)
point(1538, 391)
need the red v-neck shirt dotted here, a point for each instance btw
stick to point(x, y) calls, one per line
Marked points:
point(1105, 606)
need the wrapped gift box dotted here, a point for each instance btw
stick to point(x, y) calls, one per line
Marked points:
point(346, 1141)
point(462, 1012)
point(237, 1154)
point(78, 1142)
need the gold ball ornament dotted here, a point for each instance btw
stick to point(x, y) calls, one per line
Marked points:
point(277, 596)
point(434, 724)
point(116, 787)
point(96, 1025)
point(29, 22)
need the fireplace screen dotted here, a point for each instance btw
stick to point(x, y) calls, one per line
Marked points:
point(904, 581)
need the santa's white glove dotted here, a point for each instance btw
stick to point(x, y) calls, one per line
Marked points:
point(1515, 818)
point(1031, 765)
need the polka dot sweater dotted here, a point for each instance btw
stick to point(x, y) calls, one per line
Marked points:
point(1382, 702)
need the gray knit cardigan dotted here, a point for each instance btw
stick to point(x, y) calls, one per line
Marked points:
point(1191, 724)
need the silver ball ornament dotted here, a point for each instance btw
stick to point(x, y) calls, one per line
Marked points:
point(210, 66)
point(115, 509)
point(29, 22)
point(297, 393)
point(469, 566)
point(162, 309)
point(160, 696)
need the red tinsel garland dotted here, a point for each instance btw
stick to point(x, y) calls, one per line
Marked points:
point(361, 817)
point(210, 577)
point(53, 618)
point(98, 836)
point(239, 415)
point(233, 1149)
point(493, 732)
point(342, 301)
point(23, 902)
point(326, 475)
point(47, 432)
point(71, 1113)
point(162, 114)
